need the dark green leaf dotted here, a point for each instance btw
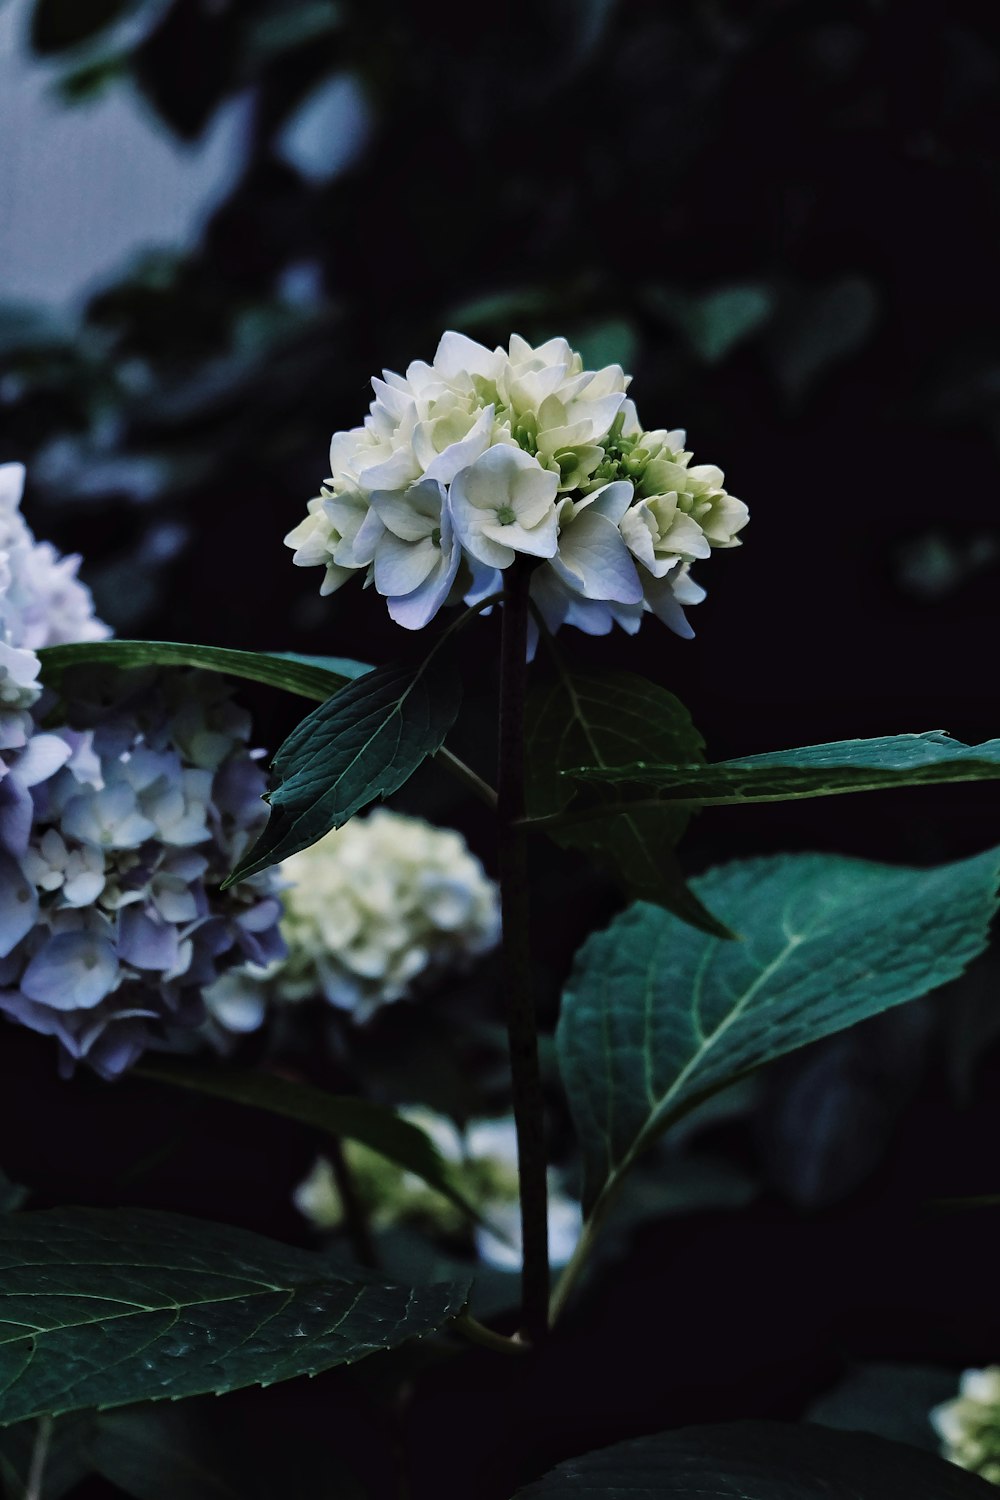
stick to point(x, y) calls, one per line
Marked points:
point(819, 326)
point(892, 1401)
point(608, 718)
point(758, 1461)
point(57, 24)
point(813, 771)
point(101, 1308)
point(656, 1016)
point(373, 1125)
point(292, 27)
point(360, 745)
point(611, 343)
point(12, 1195)
point(718, 321)
point(309, 676)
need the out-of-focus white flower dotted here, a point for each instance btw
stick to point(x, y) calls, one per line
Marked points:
point(487, 455)
point(44, 603)
point(378, 904)
point(502, 1246)
point(483, 1158)
point(969, 1425)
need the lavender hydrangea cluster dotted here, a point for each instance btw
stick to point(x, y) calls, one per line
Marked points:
point(118, 821)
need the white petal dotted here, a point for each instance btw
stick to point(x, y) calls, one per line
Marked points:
point(394, 473)
point(357, 549)
point(485, 581)
point(411, 514)
point(533, 494)
point(489, 482)
point(458, 355)
point(41, 758)
point(665, 606)
point(11, 486)
point(401, 567)
point(415, 610)
point(597, 560)
point(458, 455)
point(335, 578)
point(536, 541)
point(611, 500)
point(551, 597)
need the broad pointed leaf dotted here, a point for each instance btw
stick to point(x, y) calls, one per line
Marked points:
point(315, 677)
point(656, 1016)
point(813, 771)
point(100, 1308)
point(374, 1125)
point(610, 718)
point(360, 745)
point(758, 1461)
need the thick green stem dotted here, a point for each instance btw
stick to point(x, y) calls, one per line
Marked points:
point(355, 1218)
point(571, 1272)
point(522, 1028)
point(477, 1333)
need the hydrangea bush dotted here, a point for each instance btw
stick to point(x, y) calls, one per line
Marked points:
point(141, 891)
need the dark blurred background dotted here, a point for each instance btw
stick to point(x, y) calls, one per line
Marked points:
point(218, 218)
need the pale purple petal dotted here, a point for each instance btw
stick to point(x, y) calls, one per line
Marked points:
point(73, 971)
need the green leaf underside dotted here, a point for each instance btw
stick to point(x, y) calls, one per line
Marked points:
point(758, 1461)
point(100, 1308)
point(609, 717)
point(656, 1016)
point(813, 771)
point(314, 677)
point(360, 745)
point(345, 1118)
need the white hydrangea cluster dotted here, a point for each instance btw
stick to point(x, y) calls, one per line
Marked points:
point(116, 827)
point(370, 909)
point(42, 603)
point(487, 455)
point(484, 1158)
point(969, 1426)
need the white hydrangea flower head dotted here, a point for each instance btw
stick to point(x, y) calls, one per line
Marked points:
point(489, 457)
point(969, 1425)
point(377, 906)
point(483, 1157)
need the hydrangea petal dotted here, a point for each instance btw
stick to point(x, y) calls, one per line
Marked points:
point(72, 971)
